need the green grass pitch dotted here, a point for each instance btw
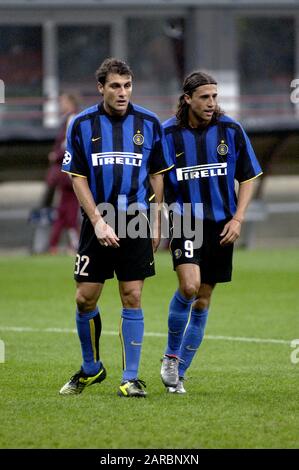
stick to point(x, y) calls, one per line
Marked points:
point(241, 393)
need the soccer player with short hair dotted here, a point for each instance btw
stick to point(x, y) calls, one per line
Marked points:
point(211, 151)
point(116, 154)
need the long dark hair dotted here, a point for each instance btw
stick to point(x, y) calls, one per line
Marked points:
point(191, 82)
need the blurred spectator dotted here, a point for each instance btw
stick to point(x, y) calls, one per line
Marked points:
point(65, 215)
point(69, 105)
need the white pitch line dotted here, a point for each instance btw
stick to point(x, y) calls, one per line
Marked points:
point(28, 329)
point(249, 340)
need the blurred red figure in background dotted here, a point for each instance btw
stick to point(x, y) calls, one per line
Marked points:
point(68, 207)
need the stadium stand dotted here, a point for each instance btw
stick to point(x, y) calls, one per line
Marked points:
point(275, 209)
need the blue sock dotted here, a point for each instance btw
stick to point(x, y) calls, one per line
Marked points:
point(131, 336)
point(192, 338)
point(179, 310)
point(89, 331)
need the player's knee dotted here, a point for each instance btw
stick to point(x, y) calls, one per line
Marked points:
point(131, 298)
point(84, 302)
point(189, 289)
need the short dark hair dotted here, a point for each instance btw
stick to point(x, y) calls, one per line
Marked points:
point(191, 82)
point(112, 65)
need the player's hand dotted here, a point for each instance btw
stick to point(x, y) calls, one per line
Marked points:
point(105, 234)
point(231, 232)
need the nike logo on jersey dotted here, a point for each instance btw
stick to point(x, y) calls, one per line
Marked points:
point(201, 171)
point(151, 263)
point(179, 154)
point(94, 139)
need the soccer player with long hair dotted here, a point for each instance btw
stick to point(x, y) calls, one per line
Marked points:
point(211, 151)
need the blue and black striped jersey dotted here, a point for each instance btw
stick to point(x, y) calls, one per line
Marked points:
point(117, 154)
point(207, 162)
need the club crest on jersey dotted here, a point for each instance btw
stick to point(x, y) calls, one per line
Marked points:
point(138, 138)
point(66, 158)
point(222, 148)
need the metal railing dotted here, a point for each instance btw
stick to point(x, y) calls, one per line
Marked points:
point(41, 112)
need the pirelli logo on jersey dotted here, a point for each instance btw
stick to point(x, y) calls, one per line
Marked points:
point(116, 158)
point(201, 171)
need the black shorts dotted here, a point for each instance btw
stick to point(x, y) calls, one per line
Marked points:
point(214, 260)
point(132, 261)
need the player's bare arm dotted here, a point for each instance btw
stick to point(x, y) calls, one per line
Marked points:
point(232, 229)
point(105, 234)
point(157, 184)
